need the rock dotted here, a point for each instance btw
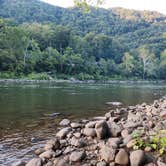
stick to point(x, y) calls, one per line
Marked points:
point(63, 132)
point(159, 163)
point(68, 150)
point(131, 124)
point(47, 154)
point(114, 129)
point(53, 144)
point(101, 163)
point(122, 157)
point(150, 164)
point(77, 135)
point(100, 118)
point(107, 153)
point(137, 158)
point(75, 125)
point(77, 156)
point(91, 124)
point(49, 164)
point(64, 122)
point(90, 132)
point(35, 162)
point(18, 163)
point(148, 149)
point(60, 162)
point(133, 117)
point(78, 142)
point(101, 129)
point(114, 142)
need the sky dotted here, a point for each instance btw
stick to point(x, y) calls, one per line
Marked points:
point(154, 5)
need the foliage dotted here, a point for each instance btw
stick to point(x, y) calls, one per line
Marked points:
point(38, 76)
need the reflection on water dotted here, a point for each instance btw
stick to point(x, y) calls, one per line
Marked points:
point(23, 106)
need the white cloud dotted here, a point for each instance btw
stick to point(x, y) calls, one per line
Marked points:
point(157, 5)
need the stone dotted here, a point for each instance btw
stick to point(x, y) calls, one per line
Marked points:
point(35, 162)
point(163, 114)
point(114, 142)
point(107, 153)
point(60, 162)
point(148, 149)
point(78, 142)
point(49, 164)
point(64, 122)
point(75, 125)
point(68, 150)
point(90, 132)
point(77, 135)
point(114, 129)
point(52, 144)
point(150, 164)
point(63, 132)
point(122, 157)
point(47, 154)
point(114, 103)
point(137, 158)
point(125, 133)
point(101, 128)
point(160, 163)
point(77, 156)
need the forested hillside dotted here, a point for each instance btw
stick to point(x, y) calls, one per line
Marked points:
point(36, 37)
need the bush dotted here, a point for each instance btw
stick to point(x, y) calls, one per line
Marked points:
point(84, 76)
point(38, 76)
point(7, 75)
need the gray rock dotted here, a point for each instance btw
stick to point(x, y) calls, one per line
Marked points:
point(163, 114)
point(114, 142)
point(107, 153)
point(90, 132)
point(122, 157)
point(125, 133)
point(39, 151)
point(137, 158)
point(64, 122)
point(63, 132)
point(60, 162)
point(77, 156)
point(49, 164)
point(101, 129)
point(35, 162)
point(91, 124)
point(77, 142)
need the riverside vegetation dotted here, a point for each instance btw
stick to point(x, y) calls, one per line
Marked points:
point(132, 136)
point(41, 41)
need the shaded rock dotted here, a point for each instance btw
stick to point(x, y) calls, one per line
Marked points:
point(77, 156)
point(101, 129)
point(150, 164)
point(89, 132)
point(63, 132)
point(78, 142)
point(122, 157)
point(60, 162)
point(114, 142)
point(77, 135)
point(159, 163)
point(107, 153)
point(163, 114)
point(64, 122)
point(68, 150)
point(137, 158)
point(35, 162)
point(49, 164)
point(132, 124)
point(114, 129)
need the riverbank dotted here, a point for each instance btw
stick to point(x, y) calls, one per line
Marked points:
point(134, 136)
point(79, 81)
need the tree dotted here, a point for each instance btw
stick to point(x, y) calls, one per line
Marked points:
point(162, 65)
point(148, 61)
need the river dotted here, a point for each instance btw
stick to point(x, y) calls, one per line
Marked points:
point(26, 109)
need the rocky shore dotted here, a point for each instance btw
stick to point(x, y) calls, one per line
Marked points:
point(133, 136)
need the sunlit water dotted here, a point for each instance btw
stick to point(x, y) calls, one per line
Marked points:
point(24, 110)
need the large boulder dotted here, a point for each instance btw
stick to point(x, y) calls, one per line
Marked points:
point(114, 129)
point(122, 157)
point(101, 128)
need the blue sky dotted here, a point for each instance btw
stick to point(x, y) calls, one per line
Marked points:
point(156, 5)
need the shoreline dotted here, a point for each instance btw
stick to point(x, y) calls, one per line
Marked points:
point(122, 136)
point(79, 81)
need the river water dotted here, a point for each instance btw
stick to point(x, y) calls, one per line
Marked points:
point(26, 109)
